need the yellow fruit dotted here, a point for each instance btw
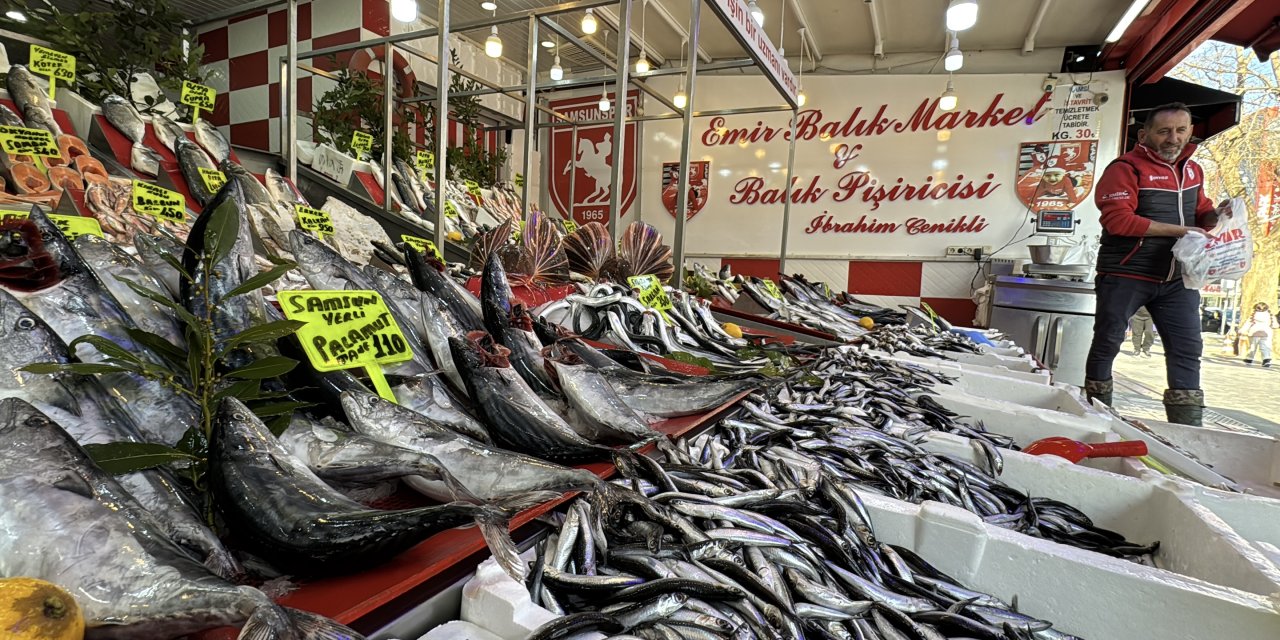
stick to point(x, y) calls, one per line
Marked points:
point(733, 329)
point(455, 236)
point(867, 323)
point(32, 609)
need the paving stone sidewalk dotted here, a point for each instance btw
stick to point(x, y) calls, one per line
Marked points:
point(1238, 396)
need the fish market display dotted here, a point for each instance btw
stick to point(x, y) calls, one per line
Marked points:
point(212, 141)
point(23, 181)
point(131, 580)
point(857, 420)
point(719, 553)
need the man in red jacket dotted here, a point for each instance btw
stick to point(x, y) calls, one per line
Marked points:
point(1149, 198)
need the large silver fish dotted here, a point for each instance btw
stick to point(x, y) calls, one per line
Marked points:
point(68, 522)
point(486, 471)
point(431, 320)
point(122, 115)
point(144, 160)
point(281, 191)
point(212, 140)
point(289, 515)
point(114, 266)
point(153, 251)
point(596, 411)
point(92, 416)
point(254, 192)
point(31, 96)
point(191, 159)
point(168, 131)
point(670, 399)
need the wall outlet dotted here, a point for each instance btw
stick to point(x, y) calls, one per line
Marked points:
point(970, 252)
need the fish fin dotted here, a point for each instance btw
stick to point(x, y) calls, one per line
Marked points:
point(641, 248)
point(518, 503)
point(503, 549)
point(544, 257)
point(487, 243)
point(310, 626)
point(961, 605)
point(267, 622)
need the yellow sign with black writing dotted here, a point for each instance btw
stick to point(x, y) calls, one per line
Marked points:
point(72, 226)
point(473, 188)
point(198, 96)
point(422, 245)
point(361, 141)
point(450, 211)
point(569, 225)
point(159, 202)
point(426, 163)
point(345, 329)
point(651, 292)
point(771, 288)
point(21, 141)
point(53, 64)
point(213, 179)
point(314, 220)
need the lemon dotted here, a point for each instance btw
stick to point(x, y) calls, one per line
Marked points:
point(32, 609)
point(867, 323)
point(733, 329)
point(454, 236)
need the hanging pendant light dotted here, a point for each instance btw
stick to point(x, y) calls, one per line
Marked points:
point(489, 5)
point(642, 65)
point(962, 14)
point(681, 100)
point(404, 10)
point(589, 23)
point(955, 58)
point(557, 71)
point(756, 12)
point(948, 101)
point(605, 105)
point(493, 44)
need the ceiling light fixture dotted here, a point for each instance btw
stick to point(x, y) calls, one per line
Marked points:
point(1127, 19)
point(493, 44)
point(489, 5)
point(962, 14)
point(589, 23)
point(756, 12)
point(557, 71)
point(15, 15)
point(642, 65)
point(948, 101)
point(404, 10)
point(547, 44)
point(955, 58)
point(801, 98)
point(605, 105)
point(680, 99)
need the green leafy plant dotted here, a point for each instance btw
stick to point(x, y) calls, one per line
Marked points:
point(356, 104)
point(200, 371)
point(113, 42)
point(473, 160)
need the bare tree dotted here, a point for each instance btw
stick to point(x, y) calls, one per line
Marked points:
point(1244, 161)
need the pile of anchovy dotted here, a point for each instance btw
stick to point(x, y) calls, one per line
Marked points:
point(687, 552)
point(919, 341)
point(611, 313)
point(858, 421)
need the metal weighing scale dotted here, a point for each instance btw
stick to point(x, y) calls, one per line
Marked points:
point(1051, 224)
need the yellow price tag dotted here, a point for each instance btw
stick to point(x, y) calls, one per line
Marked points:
point(361, 141)
point(314, 220)
point(56, 65)
point(21, 141)
point(569, 225)
point(213, 179)
point(473, 188)
point(198, 97)
point(426, 163)
point(516, 227)
point(450, 211)
point(771, 288)
point(159, 202)
point(346, 329)
point(71, 226)
point(652, 294)
point(422, 245)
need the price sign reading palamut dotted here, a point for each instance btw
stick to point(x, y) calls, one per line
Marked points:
point(346, 329)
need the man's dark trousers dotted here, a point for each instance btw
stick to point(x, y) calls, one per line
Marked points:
point(1175, 310)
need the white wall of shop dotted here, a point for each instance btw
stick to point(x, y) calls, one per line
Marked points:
point(730, 225)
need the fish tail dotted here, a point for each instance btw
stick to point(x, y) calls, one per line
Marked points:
point(223, 564)
point(273, 622)
point(503, 548)
point(310, 626)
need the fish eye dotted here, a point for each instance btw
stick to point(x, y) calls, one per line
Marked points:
point(239, 416)
point(26, 324)
point(36, 421)
point(373, 402)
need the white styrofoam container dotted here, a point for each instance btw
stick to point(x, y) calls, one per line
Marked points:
point(956, 368)
point(1194, 542)
point(1081, 592)
point(1024, 424)
point(1053, 397)
point(1251, 460)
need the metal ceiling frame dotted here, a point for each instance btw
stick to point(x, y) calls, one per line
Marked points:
point(536, 19)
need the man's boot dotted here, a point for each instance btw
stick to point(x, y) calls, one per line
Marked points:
point(1184, 406)
point(1100, 389)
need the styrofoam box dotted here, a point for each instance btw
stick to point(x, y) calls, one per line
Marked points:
point(1194, 540)
point(1053, 397)
point(1251, 460)
point(956, 368)
point(1024, 424)
point(1081, 592)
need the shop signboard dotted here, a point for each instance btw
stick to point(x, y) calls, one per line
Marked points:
point(736, 15)
point(699, 178)
point(586, 167)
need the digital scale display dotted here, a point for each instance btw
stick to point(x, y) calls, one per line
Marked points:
point(1055, 222)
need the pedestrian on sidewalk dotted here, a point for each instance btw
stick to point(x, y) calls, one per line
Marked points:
point(1150, 197)
point(1260, 328)
point(1143, 330)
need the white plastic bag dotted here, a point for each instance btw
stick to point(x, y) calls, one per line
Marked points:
point(1224, 252)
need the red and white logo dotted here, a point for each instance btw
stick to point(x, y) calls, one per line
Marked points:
point(699, 182)
point(1055, 176)
point(581, 169)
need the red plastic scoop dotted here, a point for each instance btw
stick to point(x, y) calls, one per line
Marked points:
point(1075, 451)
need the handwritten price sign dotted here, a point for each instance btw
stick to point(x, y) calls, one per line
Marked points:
point(361, 141)
point(314, 220)
point(159, 202)
point(422, 245)
point(346, 329)
point(213, 179)
point(55, 65)
point(21, 141)
point(652, 294)
point(71, 226)
point(426, 162)
point(198, 97)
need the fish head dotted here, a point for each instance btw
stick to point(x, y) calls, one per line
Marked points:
point(323, 267)
point(25, 336)
point(229, 201)
point(479, 351)
point(56, 244)
point(494, 287)
point(236, 428)
point(364, 408)
point(33, 445)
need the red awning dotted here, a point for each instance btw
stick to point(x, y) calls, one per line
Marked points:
point(1257, 27)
